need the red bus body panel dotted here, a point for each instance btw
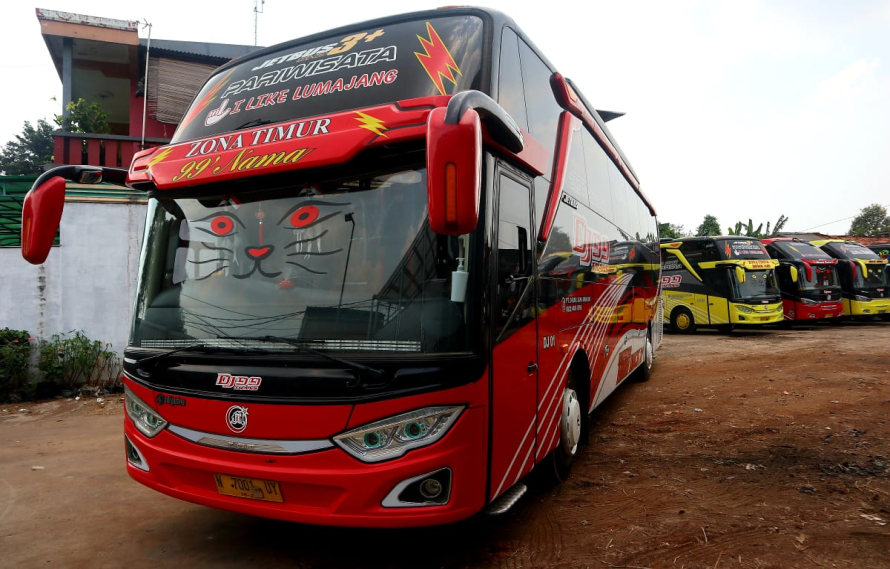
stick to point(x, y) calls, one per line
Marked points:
point(326, 487)
point(798, 311)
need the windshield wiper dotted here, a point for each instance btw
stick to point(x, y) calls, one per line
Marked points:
point(162, 355)
point(370, 372)
point(254, 122)
point(190, 348)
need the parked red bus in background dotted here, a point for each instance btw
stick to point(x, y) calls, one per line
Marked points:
point(348, 310)
point(807, 278)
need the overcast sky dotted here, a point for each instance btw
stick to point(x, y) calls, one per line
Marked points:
point(739, 109)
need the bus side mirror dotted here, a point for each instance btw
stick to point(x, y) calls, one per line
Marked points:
point(740, 273)
point(793, 273)
point(454, 172)
point(41, 215)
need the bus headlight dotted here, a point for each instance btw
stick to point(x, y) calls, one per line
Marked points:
point(862, 298)
point(393, 437)
point(745, 309)
point(147, 421)
point(809, 302)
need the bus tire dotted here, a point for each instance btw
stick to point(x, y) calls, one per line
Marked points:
point(644, 370)
point(682, 321)
point(570, 432)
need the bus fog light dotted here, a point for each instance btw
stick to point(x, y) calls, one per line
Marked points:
point(430, 488)
point(426, 490)
point(134, 457)
point(393, 437)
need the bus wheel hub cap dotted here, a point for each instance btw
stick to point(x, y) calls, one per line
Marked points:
point(571, 422)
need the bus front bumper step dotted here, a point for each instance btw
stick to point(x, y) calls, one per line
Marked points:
point(506, 500)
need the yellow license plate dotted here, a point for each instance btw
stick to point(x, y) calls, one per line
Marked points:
point(250, 488)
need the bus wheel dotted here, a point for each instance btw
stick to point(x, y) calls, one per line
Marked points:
point(644, 371)
point(725, 328)
point(570, 413)
point(682, 321)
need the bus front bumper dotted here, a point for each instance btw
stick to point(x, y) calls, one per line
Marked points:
point(756, 314)
point(796, 310)
point(872, 307)
point(327, 487)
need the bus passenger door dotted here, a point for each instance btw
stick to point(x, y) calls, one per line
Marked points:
point(717, 288)
point(514, 370)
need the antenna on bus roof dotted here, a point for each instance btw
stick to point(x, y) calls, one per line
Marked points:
point(258, 6)
point(609, 115)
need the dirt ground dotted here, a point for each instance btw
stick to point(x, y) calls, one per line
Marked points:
point(767, 448)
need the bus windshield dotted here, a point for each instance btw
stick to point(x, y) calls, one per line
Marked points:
point(872, 276)
point(758, 285)
point(820, 277)
point(348, 265)
point(364, 67)
point(736, 249)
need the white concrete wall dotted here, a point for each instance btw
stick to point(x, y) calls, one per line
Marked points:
point(87, 283)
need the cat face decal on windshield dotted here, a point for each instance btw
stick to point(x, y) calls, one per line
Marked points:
point(242, 242)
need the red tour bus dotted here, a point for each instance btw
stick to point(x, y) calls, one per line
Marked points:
point(343, 313)
point(807, 278)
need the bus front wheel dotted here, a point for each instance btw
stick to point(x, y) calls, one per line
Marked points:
point(682, 321)
point(570, 416)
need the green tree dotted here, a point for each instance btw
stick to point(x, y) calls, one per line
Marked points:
point(30, 150)
point(84, 117)
point(709, 226)
point(871, 221)
point(749, 231)
point(670, 230)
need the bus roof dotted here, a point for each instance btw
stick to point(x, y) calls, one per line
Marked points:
point(668, 240)
point(492, 16)
point(495, 17)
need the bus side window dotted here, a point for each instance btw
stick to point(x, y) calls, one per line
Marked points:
point(510, 91)
point(598, 193)
point(692, 250)
point(540, 102)
point(709, 252)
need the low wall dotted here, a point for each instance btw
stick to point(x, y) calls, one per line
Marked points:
point(88, 283)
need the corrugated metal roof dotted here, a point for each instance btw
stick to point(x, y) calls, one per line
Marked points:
point(211, 50)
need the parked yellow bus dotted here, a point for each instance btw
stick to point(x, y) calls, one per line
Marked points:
point(718, 281)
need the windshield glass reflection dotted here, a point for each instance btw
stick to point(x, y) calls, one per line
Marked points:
point(346, 265)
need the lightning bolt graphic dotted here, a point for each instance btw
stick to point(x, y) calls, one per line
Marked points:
point(160, 156)
point(436, 59)
point(368, 122)
point(203, 103)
